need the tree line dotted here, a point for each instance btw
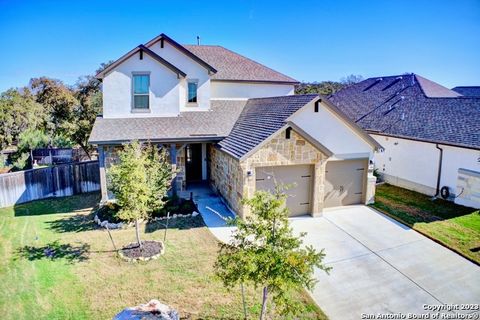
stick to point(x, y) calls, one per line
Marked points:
point(49, 113)
point(327, 87)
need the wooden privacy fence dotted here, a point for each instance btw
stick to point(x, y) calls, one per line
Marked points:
point(57, 181)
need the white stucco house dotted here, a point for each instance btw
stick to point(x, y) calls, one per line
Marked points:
point(431, 134)
point(235, 124)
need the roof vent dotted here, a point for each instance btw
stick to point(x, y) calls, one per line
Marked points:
point(403, 116)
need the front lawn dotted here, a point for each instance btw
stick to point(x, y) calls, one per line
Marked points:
point(57, 264)
point(455, 226)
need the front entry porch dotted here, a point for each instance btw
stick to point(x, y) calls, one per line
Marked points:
point(212, 207)
point(191, 162)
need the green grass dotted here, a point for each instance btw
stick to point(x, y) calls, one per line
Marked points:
point(85, 280)
point(455, 226)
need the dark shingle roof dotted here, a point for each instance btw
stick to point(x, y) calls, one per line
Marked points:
point(472, 91)
point(206, 125)
point(399, 106)
point(260, 119)
point(232, 66)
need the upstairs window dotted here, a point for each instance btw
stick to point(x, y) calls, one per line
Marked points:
point(141, 89)
point(192, 91)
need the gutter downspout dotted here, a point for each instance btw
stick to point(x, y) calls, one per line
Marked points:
point(440, 159)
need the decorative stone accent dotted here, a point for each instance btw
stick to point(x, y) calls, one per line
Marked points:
point(235, 179)
point(133, 260)
point(122, 225)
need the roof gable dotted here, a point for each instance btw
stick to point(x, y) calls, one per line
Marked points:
point(163, 37)
point(142, 49)
point(260, 119)
point(222, 64)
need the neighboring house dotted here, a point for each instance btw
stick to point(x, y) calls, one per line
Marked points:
point(431, 134)
point(217, 113)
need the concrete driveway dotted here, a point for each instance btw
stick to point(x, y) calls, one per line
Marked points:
point(382, 267)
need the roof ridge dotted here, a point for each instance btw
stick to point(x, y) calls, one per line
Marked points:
point(287, 96)
point(241, 55)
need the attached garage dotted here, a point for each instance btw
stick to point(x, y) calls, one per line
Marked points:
point(300, 179)
point(345, 182)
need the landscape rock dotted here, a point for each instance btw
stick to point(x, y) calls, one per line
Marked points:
point(195, 213)
point(154, 310)
point(104, 223)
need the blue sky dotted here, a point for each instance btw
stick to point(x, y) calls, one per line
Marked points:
point(308, 40)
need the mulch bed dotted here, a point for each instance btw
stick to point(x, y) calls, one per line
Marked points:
point(149, 250)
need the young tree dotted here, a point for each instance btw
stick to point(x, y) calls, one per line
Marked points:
point(140, 182)
point(28, 141)
point(265, 253)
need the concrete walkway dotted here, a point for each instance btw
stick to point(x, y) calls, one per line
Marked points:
point(379, 265)
point(214, 212)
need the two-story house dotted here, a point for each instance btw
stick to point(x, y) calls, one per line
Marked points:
point(234, 123)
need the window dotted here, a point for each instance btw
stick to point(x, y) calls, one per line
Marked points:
point(141, 85)
point(192, 91)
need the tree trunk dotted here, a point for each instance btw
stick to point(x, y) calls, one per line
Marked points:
point(85, 149)
point(264, 303)
point(31, 158)
point(137, 232)
point(244, 302)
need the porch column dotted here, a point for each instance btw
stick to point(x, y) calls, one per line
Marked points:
point(173, 160)
point(103, 175)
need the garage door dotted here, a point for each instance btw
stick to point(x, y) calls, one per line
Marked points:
point(301, 179)
point(344, 182)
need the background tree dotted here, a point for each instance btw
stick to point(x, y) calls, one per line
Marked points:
point(327, 87)
point(323, 87)
point(351, 79)
point(140, 182)
point(19, 111)
point(88, 91)
point(264, 252)
point(59, 102)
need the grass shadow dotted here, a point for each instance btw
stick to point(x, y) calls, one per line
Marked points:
point(177, 223)
point(55, 251)
point(58, 205)
point(73, 223)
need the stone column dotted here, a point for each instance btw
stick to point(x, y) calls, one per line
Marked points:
point(318, 188)
point(173, 160)
point(103, 175)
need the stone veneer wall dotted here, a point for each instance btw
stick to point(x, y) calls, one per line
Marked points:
point(229, 175)
point(226, 177)
point(181, 177)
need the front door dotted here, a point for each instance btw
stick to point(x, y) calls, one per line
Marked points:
point(193, 162)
